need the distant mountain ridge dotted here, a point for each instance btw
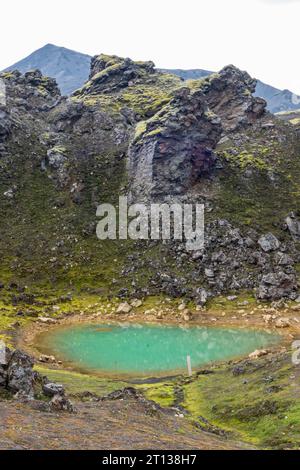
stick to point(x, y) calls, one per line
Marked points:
point(71, 70)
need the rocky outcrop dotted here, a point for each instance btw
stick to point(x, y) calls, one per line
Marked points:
point(229, 95)
point(31, 91)
point(111, 73)
point(275, 286)
point(173, 149)
point(28, 98)
point(18, 378)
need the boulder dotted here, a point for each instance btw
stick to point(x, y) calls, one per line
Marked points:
point(20, 375)
point(61, 403)
point(187, 315)
point(124, 308)
point(283, 259)
point(51, 389)
point(293, 225)
point(282, 322)
point(181, 307)
point(275, 286)
point(201, 297)
point(269, 242)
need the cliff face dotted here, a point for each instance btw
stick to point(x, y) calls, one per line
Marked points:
point(230, 95)
point(174, 148)
point(133, 130)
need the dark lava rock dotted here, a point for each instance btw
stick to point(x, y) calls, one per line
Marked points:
point(18, 377)
point(61, 403)
point(19, 373)
point(175, 147)
point(293, 225)
point(51, 389)
point(277, 285)
point(229, 95)
point(112, 73)
point(269, 242)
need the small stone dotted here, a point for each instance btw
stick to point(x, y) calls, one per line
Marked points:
point(52, 389)
point(47, 320)
point(258, 353)
point(282, 323)
point(124, 308)
point(186, 315)
point(136, 303)
point(47, 359)
point(267, 318)
point(209, 273)
point(61, 403)
point(9, 194)
point(181, 307)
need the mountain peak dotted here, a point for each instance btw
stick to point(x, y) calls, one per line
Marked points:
point(49, 45)
point(70, 68)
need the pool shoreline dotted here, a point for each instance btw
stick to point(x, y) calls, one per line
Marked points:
point(45, 344)
point(27, 336)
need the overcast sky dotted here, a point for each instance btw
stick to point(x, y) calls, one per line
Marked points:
point(260, 36)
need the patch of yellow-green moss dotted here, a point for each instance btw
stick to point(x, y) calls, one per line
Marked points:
point(245, 159)
point(78, 383)
point(295, 121)
point(258, 406)
point(163, 393)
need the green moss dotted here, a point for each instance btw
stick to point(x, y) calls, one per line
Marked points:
point(59, 149)
point(145, 97)
point(141, 127)
point(295, 121)
point(7, 75)
point(245, 159)
point(259, 181)
point(194, 84)
point(77, 383)
point(241, 405)
point(163, 394)
point(110, 69)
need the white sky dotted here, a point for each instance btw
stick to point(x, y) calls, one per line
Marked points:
point(259, 36)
